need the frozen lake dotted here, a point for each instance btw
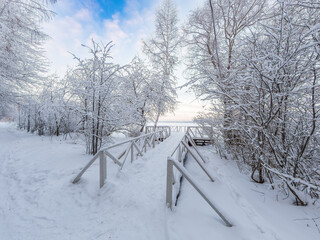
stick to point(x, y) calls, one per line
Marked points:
point(173, 123)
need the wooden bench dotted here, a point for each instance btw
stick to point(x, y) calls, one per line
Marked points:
point(202, 141)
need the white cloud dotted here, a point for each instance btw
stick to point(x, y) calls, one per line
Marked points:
point(77, 24)
point(83, 15)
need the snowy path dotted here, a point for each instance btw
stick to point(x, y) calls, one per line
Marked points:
point(38, 200)
point(135, 198)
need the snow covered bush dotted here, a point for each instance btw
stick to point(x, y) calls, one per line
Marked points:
point(259, 67)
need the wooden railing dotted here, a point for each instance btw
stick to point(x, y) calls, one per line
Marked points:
point(174, 175)
point(200, 132)
point(150, 129)
point(183, 148)
point(170, 176)
point(194, 131)
point(136, 146)
point(172, 128)
point(179, 128)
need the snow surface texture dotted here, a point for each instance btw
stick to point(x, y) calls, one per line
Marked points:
point(251, 208)
point(38, 200)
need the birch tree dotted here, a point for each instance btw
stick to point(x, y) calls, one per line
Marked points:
point(162, 49)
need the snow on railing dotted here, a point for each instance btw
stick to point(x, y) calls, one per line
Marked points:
point(150, 129)
point(184, 147)
point(194, 131)
point(138, 145)
point(200, 132)
point(170, 176)
point(174, 175)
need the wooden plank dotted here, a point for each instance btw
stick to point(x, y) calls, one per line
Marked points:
point(149, 142)
point(153, 141)
point(169, 183)
point(103, 168)
point(126, 156)
point(139, 151)
point(190, 131)
point(77, 178)
point(175, 150)
point(145, 145)
point(113, 158)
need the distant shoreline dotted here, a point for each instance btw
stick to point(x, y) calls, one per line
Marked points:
point(173, 123)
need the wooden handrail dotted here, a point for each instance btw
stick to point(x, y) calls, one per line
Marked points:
point(132, 139)
point(182, 149)
point(194, 131)
point(184, 172)
point(183, 146)
point(148, 139)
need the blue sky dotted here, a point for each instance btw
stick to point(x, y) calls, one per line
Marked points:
point(103, 9)
point(109, 7)
point(125, 22)
point(106, 8)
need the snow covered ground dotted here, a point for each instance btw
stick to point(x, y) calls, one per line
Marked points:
point(38, 200)
point(256, 211)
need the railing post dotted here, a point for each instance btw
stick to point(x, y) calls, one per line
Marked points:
point(169, 183)
point(145, 145)
point(103, 168)
point(154, 141)
point(179, 153)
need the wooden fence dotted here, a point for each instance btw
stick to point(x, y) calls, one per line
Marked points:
point(176, 170)
point(136, 147)
point(194, 131)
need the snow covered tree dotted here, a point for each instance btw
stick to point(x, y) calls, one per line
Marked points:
point(137, 87)
point(213, 36)
point(162, 51)
point(47, 111)
point(21, 55)
point(269, 92)
point(279, 98)
point(96, 87)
